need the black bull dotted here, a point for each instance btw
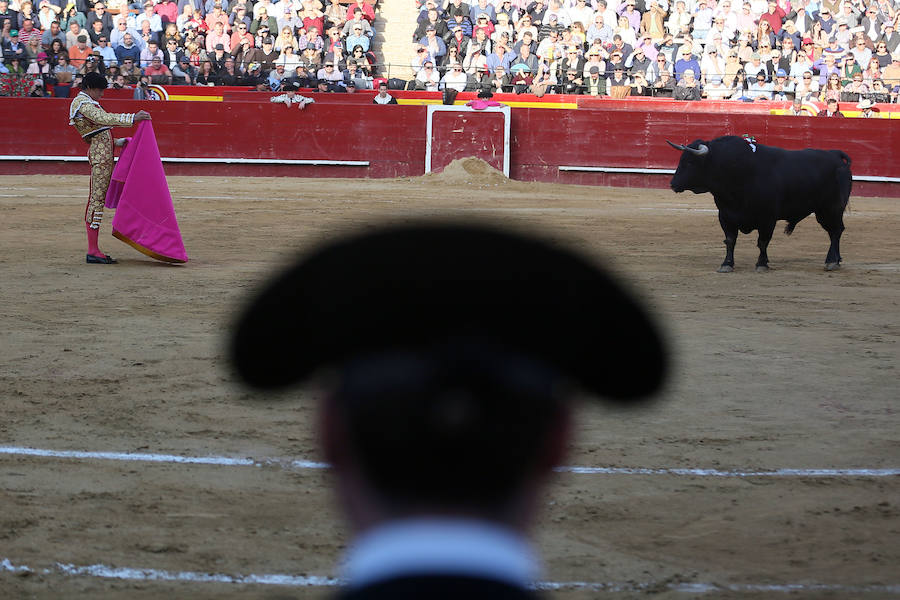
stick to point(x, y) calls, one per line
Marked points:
point(754, 186)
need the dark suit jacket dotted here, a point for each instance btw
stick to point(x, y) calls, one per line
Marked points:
point(168, 57)
point(867, 22)
point(893, 42)
point(439, 587)
point(11, 16)
point(105, 19)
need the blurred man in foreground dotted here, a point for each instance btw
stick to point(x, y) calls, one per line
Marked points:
point(451, 355)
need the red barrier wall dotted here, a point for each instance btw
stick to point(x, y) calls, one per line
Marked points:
point(392, 139)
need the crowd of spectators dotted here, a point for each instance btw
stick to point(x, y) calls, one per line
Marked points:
point(749, 50)
point(265, 45)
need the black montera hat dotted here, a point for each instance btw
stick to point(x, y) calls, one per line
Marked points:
point(415, 287)
point(94, 80)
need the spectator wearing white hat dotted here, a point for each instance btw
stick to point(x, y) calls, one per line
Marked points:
point(867, 109)
point(686, 61)
point(725, 20)
point(357, 37)
point(475, 63)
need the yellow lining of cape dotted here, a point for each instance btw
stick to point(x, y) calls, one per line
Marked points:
point(147, 251)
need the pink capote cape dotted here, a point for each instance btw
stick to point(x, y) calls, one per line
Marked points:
point(145, 217)
point(479, 104)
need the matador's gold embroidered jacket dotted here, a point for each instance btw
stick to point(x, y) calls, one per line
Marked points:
point(93, 124)
point(89, 118)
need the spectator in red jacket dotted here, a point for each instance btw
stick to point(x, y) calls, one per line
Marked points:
point(366, 9)
point(774, 16)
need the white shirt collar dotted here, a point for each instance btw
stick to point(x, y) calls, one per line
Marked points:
point(440, 547)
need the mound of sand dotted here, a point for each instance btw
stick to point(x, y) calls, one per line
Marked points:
point(468, 171)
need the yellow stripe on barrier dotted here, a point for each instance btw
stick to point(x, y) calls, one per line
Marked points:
point(878, 114)
point(417, 101)
point(196, 98)
point(847, 113)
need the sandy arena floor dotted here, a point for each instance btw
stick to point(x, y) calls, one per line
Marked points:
point(793, 369)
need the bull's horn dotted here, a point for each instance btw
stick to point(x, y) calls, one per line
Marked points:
point(703, 150)
point(677, 146)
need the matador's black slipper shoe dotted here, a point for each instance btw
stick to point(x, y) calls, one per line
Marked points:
point(100, 260)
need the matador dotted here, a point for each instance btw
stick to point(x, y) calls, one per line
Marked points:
point(94, 125)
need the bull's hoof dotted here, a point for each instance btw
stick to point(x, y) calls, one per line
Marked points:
point(725, 269)
point(762, 268)
point(832, 266)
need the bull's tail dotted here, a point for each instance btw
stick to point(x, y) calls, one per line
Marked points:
point(844, 179)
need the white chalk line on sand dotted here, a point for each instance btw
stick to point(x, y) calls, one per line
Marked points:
point(726, 473)
point(307, 464)
point(136, 574)
point(163, 458)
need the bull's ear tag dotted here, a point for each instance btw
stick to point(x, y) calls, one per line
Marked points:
point(750, 140)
